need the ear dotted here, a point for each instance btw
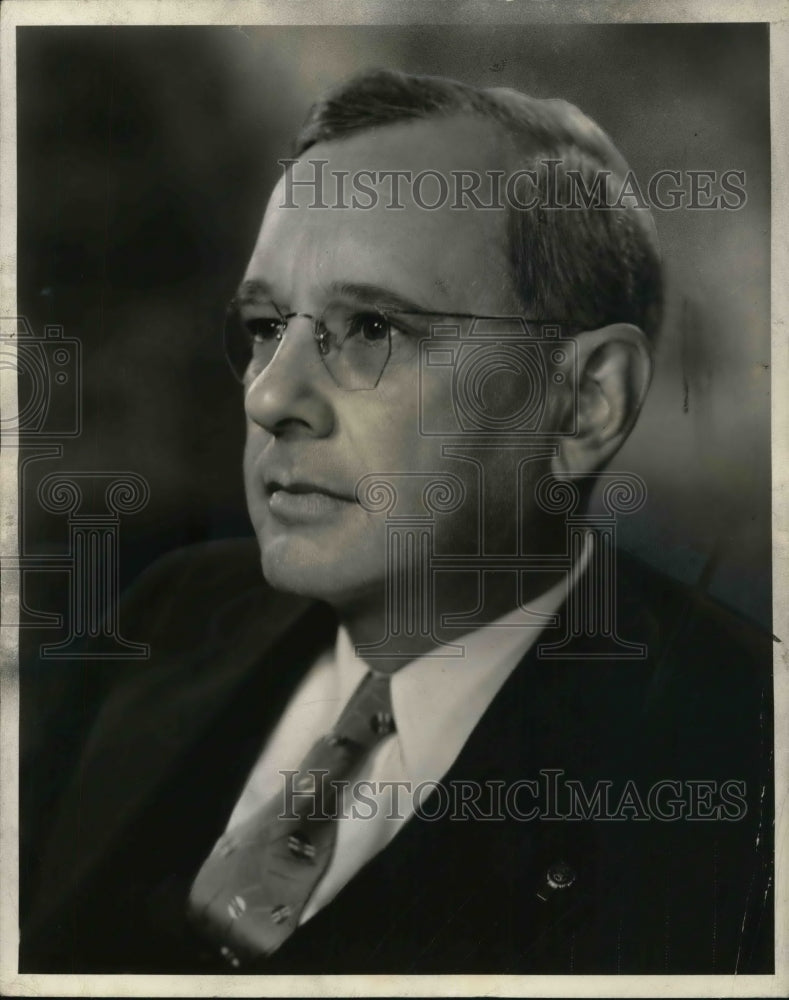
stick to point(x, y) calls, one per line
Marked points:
point(613, 371)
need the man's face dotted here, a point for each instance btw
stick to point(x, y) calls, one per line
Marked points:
point(309, 441)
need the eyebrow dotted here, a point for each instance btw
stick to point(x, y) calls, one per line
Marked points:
point(253, 290)
point(376, 295)
point(250, 291)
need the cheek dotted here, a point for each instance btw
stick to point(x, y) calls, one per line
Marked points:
point(250, 452)
point(380, 432)
point(253, 487)
point(401, 420)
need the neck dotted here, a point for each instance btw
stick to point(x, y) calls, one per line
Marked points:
point(369, 621)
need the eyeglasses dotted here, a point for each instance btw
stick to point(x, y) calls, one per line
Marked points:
point(355, 345)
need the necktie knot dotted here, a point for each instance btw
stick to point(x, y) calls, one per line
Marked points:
point(368, 716)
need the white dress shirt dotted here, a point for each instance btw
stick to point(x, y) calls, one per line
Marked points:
point(437, 701)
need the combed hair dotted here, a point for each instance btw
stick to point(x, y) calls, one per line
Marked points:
point(589, 266)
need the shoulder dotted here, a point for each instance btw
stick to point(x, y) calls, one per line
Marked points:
point(705, 705)
point(692, 640)
point(199, 592)
point(197, 573)
point(688, 730)
point(187, 610)
point(695, 681)
point(680, 613)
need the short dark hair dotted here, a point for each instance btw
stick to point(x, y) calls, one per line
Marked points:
point(589, 265)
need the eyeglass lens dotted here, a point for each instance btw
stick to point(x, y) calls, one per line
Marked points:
point(353, 345)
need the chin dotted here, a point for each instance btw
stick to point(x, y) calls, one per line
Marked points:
point(300, 566)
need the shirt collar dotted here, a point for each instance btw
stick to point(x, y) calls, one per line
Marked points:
point(439, 697)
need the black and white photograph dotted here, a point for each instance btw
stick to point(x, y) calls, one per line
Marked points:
point(393, 436)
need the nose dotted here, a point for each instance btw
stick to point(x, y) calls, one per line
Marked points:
point(291, 396)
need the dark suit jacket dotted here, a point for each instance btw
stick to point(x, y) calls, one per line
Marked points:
point(132, 770)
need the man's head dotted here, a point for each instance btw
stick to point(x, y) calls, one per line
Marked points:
point(313, 435)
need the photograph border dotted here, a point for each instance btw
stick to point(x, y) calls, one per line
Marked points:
point(16, 13)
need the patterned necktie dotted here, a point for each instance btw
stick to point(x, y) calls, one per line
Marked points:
point(250, 892)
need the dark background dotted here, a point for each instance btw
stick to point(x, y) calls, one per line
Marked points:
point(145, 157)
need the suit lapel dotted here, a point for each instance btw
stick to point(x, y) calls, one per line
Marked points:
point(470, 893)
point(451, 893)
point(174, 703)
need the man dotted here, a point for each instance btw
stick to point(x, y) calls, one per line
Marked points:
point(403, 639)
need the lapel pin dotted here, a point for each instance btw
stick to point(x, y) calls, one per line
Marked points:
point(559, 876)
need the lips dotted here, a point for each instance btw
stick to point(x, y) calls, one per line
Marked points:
point(295, 502)
point(298, 488)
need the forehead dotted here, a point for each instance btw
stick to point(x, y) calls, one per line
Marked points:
point(455, 255)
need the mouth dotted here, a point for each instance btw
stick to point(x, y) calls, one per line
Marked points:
point(303, 502)
point(302, 489)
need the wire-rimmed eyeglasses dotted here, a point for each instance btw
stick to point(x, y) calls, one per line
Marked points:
point(355, 344)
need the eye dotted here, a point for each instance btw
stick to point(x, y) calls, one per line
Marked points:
point(262, 329)
point(371, 326)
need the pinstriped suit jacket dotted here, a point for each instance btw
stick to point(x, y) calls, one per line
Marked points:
point(131, 770)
